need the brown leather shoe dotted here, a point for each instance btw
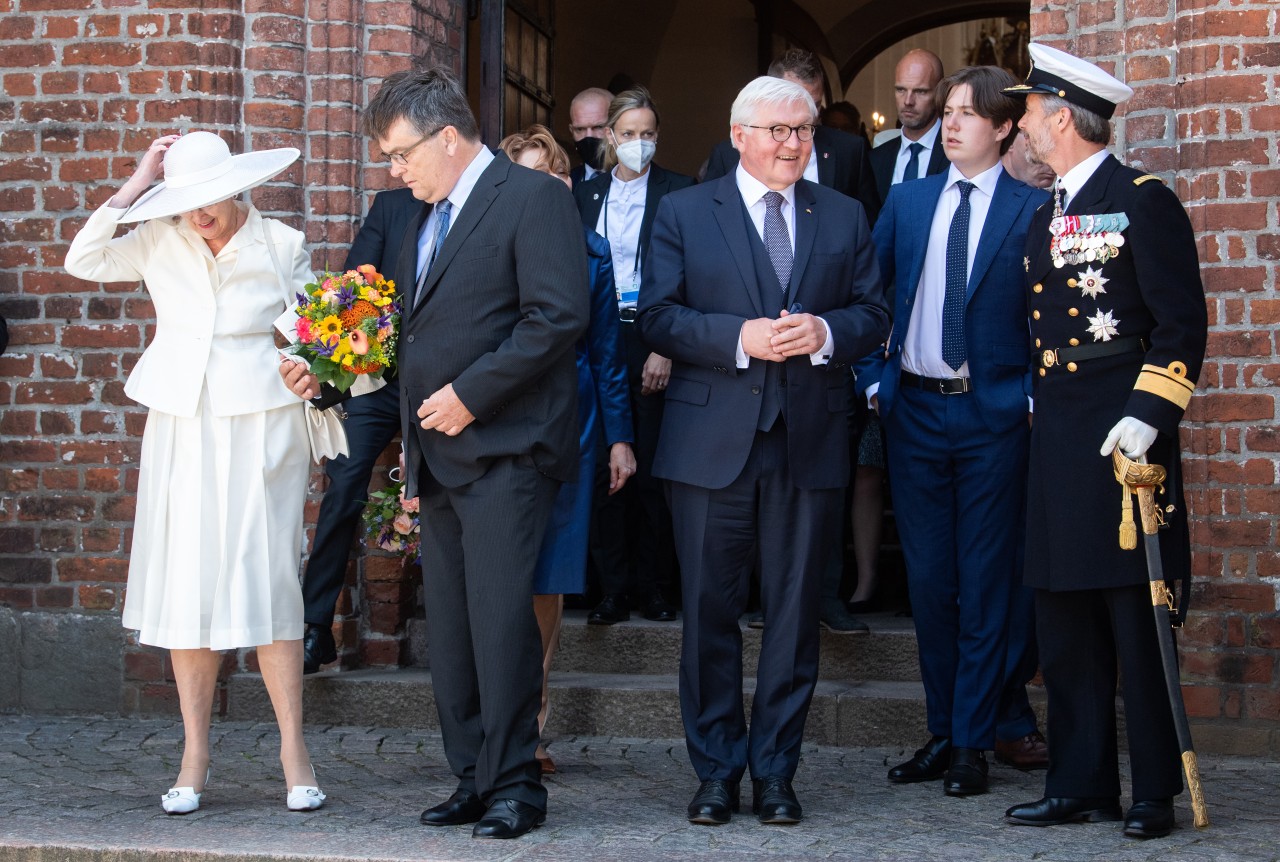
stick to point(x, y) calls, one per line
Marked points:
point(1029, 752)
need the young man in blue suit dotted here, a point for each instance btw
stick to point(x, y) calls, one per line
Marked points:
point(761, 287)
point(952, 387)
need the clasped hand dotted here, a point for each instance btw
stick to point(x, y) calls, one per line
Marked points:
point(789, 335)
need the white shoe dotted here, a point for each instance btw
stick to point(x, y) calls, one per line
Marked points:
point(303, 798)
point(182, 800)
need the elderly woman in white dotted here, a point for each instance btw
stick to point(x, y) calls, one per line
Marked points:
point(225, 454)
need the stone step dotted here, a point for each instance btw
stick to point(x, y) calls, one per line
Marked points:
point(639, 646)
point(843, 713)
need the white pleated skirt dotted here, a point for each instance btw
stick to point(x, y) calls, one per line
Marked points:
point(218, 530)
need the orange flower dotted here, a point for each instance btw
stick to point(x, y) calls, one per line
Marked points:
point(358, 311)
point(366, 367)
point(359, 342)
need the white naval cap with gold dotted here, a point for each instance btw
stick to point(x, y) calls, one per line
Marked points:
point(1057, 73)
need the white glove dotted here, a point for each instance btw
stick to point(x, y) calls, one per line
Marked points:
point(1134, 436)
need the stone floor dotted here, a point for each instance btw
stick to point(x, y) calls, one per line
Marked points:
point(74, 789)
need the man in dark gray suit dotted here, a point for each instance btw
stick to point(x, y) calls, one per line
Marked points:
point(761, 286)
point(494, 276)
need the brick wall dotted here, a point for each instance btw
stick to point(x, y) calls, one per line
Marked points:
point(1205, 116)
point(87, 85)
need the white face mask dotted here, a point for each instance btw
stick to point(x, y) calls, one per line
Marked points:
point(637, 154)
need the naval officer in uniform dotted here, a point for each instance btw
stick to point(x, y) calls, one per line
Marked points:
point(1118, 324)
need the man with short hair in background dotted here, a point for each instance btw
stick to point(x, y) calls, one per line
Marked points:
point(917, 152)
point(588, 116)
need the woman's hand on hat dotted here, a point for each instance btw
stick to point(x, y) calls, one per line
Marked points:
point(152, 162)
point(150, 166)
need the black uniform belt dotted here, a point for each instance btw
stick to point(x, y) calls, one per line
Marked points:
point(627, 315)
point(1114, 347)
point(940, 385)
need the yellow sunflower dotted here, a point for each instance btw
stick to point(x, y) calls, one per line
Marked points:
point(329, 329)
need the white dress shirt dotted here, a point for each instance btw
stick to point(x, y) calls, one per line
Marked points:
point(922, 343)
point(811, 168)
point(928, 140)
point(458, 198)
point(753, 192)
point(1075, 178)
point(619, 223)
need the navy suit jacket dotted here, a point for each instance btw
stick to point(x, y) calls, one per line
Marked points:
point(600, 355)
point(999, 344)
point(699, 288)
point(378, 241)
point(844, 164)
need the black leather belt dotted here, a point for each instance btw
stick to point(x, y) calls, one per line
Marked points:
point(1114, 347)
point(627, 315)
point(940, 385)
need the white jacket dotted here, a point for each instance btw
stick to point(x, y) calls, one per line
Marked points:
point(213, 315)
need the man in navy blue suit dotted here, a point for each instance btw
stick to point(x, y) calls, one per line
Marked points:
point(372, 421)
point(761, 287)
point(952, 387)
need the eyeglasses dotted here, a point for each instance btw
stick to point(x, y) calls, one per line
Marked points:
point(782, 132)
point(402, 157)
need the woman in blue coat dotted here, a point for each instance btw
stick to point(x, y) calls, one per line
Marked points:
point(602, 403)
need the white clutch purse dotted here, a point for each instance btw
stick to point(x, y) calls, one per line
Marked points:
point(326, 432)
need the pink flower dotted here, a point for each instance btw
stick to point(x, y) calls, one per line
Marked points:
point(403, 524)
point(359, 342)
point(303, 328)
point(409, 504)
point(384, 333)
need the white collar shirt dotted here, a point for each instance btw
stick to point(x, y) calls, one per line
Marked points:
point(922, 343)
point(1075, 178)
point(928, 141)
point(457, 197)
point(753, 192)
point(619, 222)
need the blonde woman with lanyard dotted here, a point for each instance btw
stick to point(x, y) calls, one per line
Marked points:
point(620, 205)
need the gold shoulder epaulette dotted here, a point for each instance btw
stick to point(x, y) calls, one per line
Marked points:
point(1170, 383)
point(1142, 179)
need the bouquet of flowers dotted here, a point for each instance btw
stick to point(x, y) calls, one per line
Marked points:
point(347, 326)
point(391, 521)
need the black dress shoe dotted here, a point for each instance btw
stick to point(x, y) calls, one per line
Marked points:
point(926, 764)
point(659, 609)
point(714, 803)
point(462, 807)
point(508, 818)
point(1150, 818)
point(774, 802)
point(1053, 810)
point(613, 609)
point(968, 773)
point(317, 647)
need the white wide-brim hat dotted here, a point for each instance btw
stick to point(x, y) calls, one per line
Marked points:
point(199, 170)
